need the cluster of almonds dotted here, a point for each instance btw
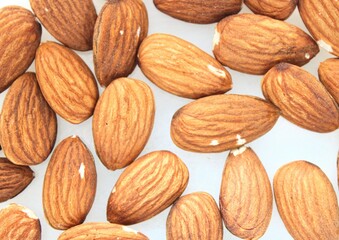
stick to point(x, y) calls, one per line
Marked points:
point(123, 116)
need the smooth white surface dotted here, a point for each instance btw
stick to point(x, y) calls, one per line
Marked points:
point(283, 144)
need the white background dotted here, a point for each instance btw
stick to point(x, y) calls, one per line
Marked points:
point(283, 144)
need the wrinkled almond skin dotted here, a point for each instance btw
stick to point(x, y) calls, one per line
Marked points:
point(246, 199)
point(255, 53)
point(199, 11)
point(123, 122)
point(194, 216)
point(181, 68)
point(328, 72)
point(306, 201)
point(69, 184)
point(66, 82)
point(222, 122)
point(28, 125)
point(18, 44)
point(147, 187)
point(120, 28)
point(301, 98)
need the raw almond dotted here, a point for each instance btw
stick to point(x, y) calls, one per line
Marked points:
point(328, 74)
point(222, 122)
point(28, 125)
point(181, 68)
point(147, 187)
point(66, 82)
point(69, 184)
point(122, 122)
point(194, 216)
point(253, 43)
point(119, 30)
point(301, 98)
point(18, 44)
point(306, 201)
point(245, 195)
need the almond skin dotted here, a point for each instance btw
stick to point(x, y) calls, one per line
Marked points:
point(328, 74)
point(194, 216)
point(181, 68)
point(147, 187)
point(28, 125)
point(18, 44)
point(66, 82)
point(122, 122)
point(255, 53)
point(69, 21)
point(120, 28)
point(222, 122)
point(306, 201)
point(69, 184)
point(301, 98)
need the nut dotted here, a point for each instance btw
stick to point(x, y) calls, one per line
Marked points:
point(328, 74)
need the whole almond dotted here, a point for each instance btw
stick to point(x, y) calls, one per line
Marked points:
point(199, 11)
point(245, 195)
point(69, 21)
point(222, 122)
point(122, 122)
point(301, 98)
point(69, 184)
point(66, 82)
point(147, 187)
point(181, 68)
point(306, 201)
point(328, 74)
point(194, 216)
point(28, 125)
point(119, 30)
point(264, 42)
point(18, 44)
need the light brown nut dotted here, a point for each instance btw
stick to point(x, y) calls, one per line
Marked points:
point(253, 43)
point(181, 68)
point(194, 216)
point(306, 201)
point(28, 125)
point(329, 75)
point(147, 187)
point(301, 98)
point(69, 184)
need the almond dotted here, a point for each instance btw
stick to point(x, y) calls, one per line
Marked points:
point(199, 11)
point(181, 68)
point(306, 201)
point(222, 122)
point(18, 44)
point(122, 122)
point(69, 21)
point(328, 73)
point(301, 98)
point(245, 195)
point(69, 185)
point(119, 30)
point(147, 187)
point(338, 168)
point(66, 82)
point(28, 125)
point(253, 43)
point(18, 222)
point(194, 216)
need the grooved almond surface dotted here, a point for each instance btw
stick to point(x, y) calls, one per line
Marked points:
point(28, 125)
point(306, 201)
point(328, 74)
point(194, 216)
point(66, 82)
point(69, 185)
point(301, 98)
point(222, 122)
point(245, 195)
point(122, 122)
point(20, 36)
point(147, 187)
point(181, 68)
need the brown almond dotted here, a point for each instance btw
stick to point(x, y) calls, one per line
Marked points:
point(328, 74)
point(181, 68)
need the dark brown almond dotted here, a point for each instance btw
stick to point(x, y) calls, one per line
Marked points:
point(328, 74)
